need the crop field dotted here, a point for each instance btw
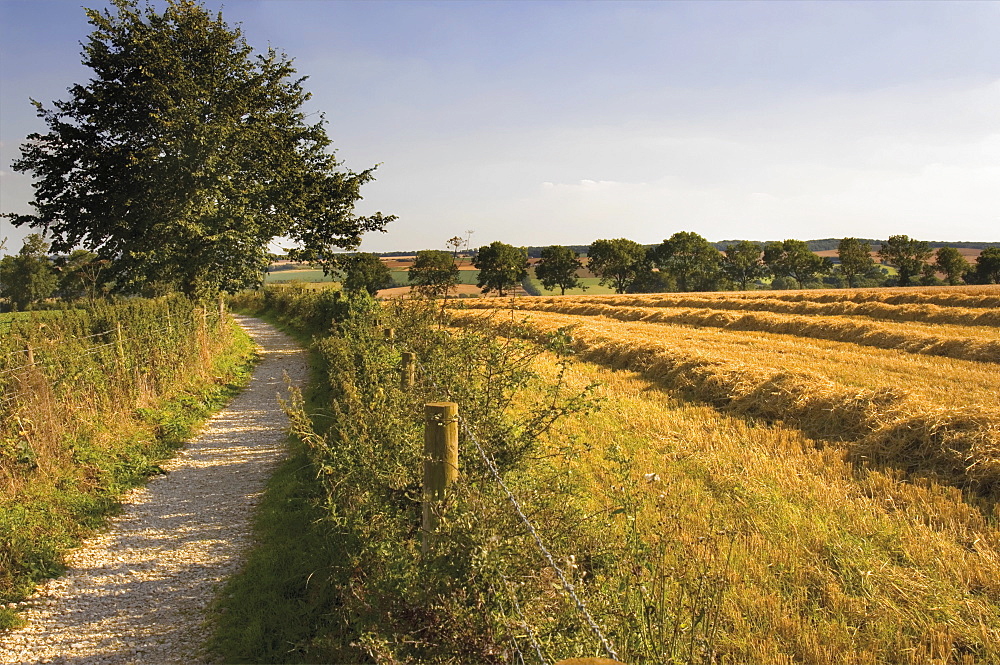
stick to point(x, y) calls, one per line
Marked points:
point(848, 442)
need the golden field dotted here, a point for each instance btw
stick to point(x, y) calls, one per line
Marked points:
point(833, 474)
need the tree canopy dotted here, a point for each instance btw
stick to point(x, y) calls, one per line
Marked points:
point(618, 262)
point(186, 154)
point(366, 272)
point(501, 267)
point(987, 270)
point(793, 258)
point(951, 262)
point(742, 263)
point(433, 273)
point(558, 267)
point(27, 277)
point(907, 255)
point(690, 259)
point(855, 259)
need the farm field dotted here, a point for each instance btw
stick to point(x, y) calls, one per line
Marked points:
point(306, 275)
point(914, 410)
point(829, 563)
point(714, 494)
point(862, 483)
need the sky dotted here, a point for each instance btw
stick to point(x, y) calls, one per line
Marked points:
point(538, 123)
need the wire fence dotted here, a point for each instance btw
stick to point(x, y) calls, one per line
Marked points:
point(37, 358)
point(118, 340)
point(564, 581)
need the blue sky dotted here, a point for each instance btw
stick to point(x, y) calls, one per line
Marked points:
point(562, 122)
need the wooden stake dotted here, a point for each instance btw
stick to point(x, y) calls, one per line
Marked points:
point(389, 334)
point(440, 462)
point(408, 370)
point(120, 343)
point(31, 354)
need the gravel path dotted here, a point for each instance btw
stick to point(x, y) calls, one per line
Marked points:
point(137, 593)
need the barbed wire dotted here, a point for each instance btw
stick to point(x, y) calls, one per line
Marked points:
point(495, 472)
point(524, 622)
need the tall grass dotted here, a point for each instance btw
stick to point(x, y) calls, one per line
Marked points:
point(112, 389)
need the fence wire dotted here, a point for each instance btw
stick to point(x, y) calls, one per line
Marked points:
point(93, 350)
point(495, 472)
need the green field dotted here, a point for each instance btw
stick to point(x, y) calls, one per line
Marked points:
point(592, 284)
point(296, 276)
point(401, 277)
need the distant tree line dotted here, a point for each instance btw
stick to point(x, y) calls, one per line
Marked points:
point(683, 262)
point(688, 262)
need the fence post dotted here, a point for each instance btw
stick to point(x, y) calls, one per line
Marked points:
point(31, 354)
point(389, 334)
point(408, 370)
point(440, 462)
point(222, 309)
point(120, 344)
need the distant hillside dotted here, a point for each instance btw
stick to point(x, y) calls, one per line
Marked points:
point(825, 244)
point(831, 243)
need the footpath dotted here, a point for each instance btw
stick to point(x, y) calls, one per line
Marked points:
point(138, 591)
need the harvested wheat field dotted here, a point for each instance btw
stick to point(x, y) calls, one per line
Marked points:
point(917, 396)
point(796, 554)
point(824, 466)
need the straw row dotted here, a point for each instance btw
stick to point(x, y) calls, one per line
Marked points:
point(982, 348)
point(883, 427)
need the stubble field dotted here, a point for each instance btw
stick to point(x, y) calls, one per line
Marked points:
point(830, 458)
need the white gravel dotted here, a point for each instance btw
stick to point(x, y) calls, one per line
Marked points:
point(137, 593)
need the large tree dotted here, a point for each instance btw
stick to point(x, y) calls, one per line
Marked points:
point(433, 273)
point(501, 267)
point(27, 277)
point(366, 272)
point(618, 262)
point(690, 259)
point(951, 262)
point(186, 154)
point(855, 259)
point(907, 255)
point(793, 258)
point(743, 263)
point(987, 270)
point(558, 267)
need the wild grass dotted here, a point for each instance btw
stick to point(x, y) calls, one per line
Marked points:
point(952, 341)
point(94, 413)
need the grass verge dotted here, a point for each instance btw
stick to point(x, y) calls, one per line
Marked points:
point(42, 519)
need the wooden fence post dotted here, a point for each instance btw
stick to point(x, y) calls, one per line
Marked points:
point(440, 462)
point(120, 344)
point(31, 354)
point(389, 334)
point(408, 370)
point(222, 309)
